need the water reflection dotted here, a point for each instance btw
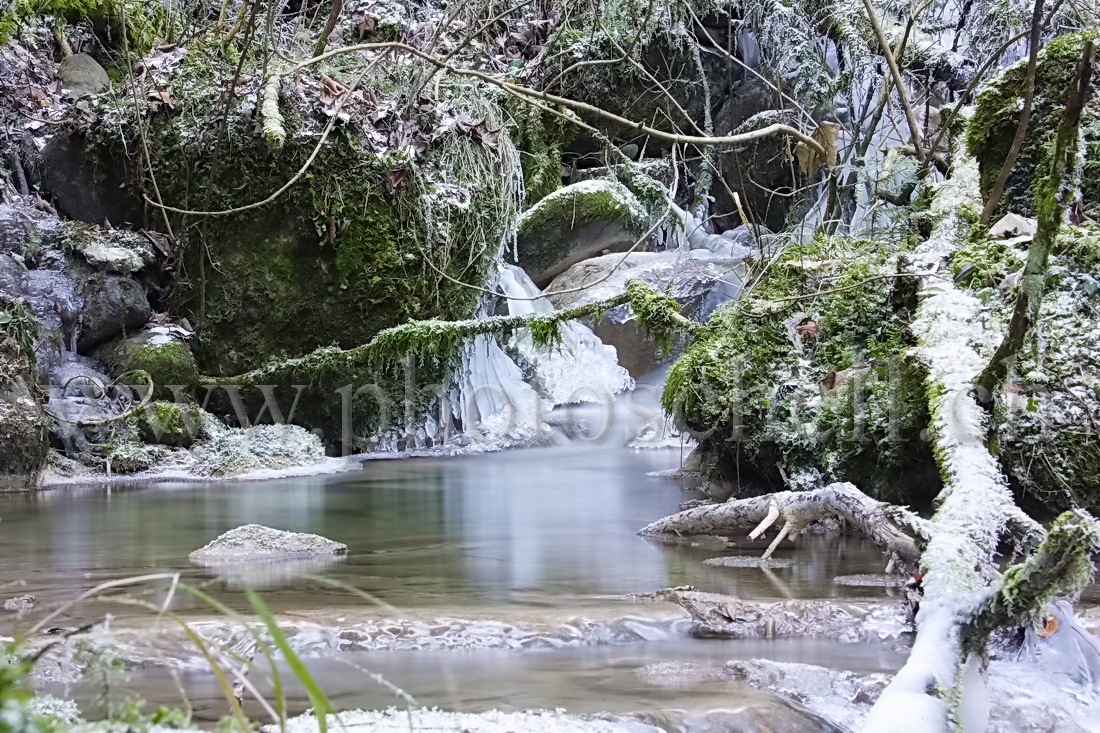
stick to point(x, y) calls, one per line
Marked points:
point(524, 527)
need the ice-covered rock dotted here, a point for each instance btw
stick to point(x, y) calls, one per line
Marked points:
point(252, 542)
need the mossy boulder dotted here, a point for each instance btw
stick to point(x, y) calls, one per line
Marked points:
point(174, 424)
point(578, 222)
point(23, 427)
point(355, 245)
point(1047, 431)
point(992, 127)
point(786, 393)
point(160, 352)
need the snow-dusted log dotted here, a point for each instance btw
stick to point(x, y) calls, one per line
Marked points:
point(795, 509)
point(941, 686)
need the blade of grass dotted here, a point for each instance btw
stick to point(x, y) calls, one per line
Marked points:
point(321, 705)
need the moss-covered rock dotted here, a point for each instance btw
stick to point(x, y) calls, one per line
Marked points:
point(1047, 431)
point(357, 244)
point(23, 433)
point(633, 49)
point(577, 222)
point(791, 392)
point(174, 424)
point(165, 356)
point(991, 129)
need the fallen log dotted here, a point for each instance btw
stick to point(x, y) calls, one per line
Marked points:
point(796, 509)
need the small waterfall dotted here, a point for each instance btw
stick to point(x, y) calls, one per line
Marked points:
point(503, 392)
point(77, 387)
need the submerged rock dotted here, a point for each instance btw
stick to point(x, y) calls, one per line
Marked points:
point(252, 542)
point(21, 603)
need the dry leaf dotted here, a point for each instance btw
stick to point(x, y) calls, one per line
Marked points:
point(809, 159)
point(395, 176)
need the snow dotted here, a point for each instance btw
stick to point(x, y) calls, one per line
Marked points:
point(976, 498)
point(433, 720)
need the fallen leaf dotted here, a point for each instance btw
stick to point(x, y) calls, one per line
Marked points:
point(809, 159)
point(395, 176)
point(162, 95)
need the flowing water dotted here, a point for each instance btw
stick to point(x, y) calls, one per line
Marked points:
point(536, 539)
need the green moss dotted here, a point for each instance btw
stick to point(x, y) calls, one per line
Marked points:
point(659, 42)
point(851, 406)
point(540, 136)
point(992, 260)
point(169, 364)
point(346, 252)
point(580, 204)
point(991, 129)
point(144, 22)
point(170, 423)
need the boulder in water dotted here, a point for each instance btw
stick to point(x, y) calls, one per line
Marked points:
point(253, 542)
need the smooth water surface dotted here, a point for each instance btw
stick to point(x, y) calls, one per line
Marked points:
point(508, 535)
point(519, 527)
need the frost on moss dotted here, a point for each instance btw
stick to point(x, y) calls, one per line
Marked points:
point(780, 388)
point(358, 243)
point(540, 137)
point(117, 250)
point(261, 447)
point(1047, 430)
point(990, 131)
point(583, 203)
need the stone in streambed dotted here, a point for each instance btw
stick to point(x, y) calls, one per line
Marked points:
point(21, 603)
point(255, 542)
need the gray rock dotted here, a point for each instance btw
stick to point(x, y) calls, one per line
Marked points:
point(87, 187)
point(81, 74)
point(575, 223)
point(695, 282)
point(113, 303)
point(253, 542)
point(21, 603)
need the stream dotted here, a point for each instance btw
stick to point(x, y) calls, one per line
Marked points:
point(539, 538)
